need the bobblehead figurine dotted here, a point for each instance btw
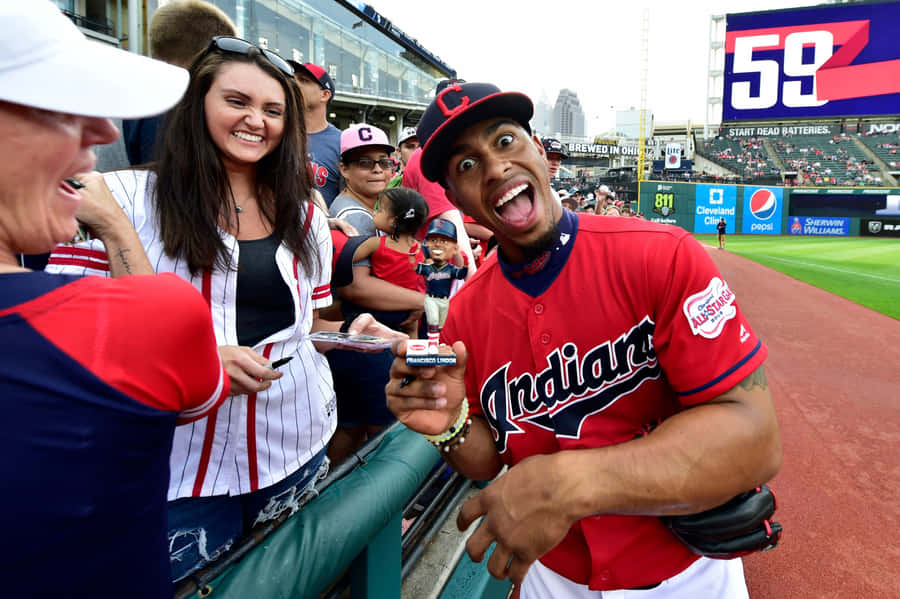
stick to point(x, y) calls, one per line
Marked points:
point(439, 274)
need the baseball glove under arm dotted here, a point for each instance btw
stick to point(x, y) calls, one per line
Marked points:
point(741, 526)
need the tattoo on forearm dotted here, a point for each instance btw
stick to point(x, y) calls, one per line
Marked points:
point(756, 379)
point(124, 260)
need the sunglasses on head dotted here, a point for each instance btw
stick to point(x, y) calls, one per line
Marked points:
point(236, 45)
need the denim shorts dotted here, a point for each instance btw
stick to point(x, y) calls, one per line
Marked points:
point(201, 529)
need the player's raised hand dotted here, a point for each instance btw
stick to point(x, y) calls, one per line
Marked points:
point(426, 399)
point(523, 512)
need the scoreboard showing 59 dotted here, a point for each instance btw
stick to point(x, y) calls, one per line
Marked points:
point(791, 91)
point(837, 60)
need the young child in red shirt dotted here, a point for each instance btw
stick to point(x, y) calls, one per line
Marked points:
point(399, 212)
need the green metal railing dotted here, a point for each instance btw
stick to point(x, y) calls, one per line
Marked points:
point(352, 530)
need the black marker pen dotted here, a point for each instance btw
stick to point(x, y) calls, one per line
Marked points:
point(280, 362)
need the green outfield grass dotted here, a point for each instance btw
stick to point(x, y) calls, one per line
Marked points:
point(862, 269)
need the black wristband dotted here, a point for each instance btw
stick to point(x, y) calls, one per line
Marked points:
point(346, 324)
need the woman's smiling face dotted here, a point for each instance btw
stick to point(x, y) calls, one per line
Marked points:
point(244, 112)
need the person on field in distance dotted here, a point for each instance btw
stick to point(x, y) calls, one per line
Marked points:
point(721, 227)
point(659, 408)
point(92, 380)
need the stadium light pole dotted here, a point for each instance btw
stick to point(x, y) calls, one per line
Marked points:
point(642, 129)
point(715, 72)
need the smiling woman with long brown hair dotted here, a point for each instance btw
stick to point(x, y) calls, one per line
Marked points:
point(228, 208)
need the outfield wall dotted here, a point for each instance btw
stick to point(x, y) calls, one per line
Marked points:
point(771, 210)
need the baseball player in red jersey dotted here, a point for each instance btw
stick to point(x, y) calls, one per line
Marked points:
point(583, 335)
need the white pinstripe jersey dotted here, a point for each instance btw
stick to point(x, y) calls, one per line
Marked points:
point(254, 441)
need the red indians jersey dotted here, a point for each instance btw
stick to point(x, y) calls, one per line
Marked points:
point(622, 324)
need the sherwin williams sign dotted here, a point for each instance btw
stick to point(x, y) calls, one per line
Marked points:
point(819, 226)
point(762, 210)
point(713, 203)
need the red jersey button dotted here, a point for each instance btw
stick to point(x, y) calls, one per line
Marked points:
point(605, 576)
point(545, 338)
point(539, 308)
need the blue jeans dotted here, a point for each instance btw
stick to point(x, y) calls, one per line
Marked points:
point(201, 529)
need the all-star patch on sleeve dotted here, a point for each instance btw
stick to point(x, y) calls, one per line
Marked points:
point(704, 343)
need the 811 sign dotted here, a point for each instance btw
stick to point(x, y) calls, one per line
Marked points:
point(664, 203)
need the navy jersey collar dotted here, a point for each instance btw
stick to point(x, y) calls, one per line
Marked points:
point(536, 276)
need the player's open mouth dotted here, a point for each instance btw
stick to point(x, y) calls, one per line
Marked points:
point(516, 204)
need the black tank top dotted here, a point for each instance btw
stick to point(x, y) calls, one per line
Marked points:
point(264, 302)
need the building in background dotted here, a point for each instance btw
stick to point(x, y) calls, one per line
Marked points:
point(628, 123)
point(568, 116)
point(542, 121)
point(382, 75)
point(99, 20)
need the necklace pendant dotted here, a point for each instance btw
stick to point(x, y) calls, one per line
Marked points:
point(238, 209)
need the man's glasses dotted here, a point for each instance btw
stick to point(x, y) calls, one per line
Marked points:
point(236, 45)
point(369, 164)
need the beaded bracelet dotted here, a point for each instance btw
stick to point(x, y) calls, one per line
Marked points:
point(455, 442)
point(455, 430)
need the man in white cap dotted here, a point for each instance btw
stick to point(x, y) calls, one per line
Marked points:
point(407, 143)
point(95, 372)
point(568, 201)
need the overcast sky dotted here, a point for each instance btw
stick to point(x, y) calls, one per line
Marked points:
point(592, 47)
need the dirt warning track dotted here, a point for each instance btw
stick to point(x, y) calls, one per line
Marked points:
point(834, 372)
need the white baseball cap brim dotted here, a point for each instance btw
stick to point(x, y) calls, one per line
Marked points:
point(407, 133)
point(46, 62)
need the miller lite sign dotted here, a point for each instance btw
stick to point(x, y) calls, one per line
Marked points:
point(673, 155)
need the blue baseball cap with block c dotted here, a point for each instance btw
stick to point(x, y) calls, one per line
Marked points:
point(457, 107)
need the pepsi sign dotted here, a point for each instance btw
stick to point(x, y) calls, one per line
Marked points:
point(762, 210)
point(826, 61)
